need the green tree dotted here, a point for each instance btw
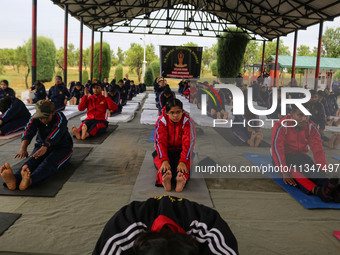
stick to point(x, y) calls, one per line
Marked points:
point(230, 53)
point(190, 44)
point(60, 58)
point(85, 77)
point(271, 49)
point(46, 57)
point(134, 59)
point(119, 73)
point(114, 59)
point(106, 60)
point(59, 73)
point(303, 50)
point(251, 54)
point(121, 56)
point(331, 43)
point(156, 67)
point(86, 57)
point(150, 53)
point(21, 60)
point(213, 67)
point(149, 76)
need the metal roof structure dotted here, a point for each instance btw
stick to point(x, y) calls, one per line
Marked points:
point(307, 62)
point(267, 19)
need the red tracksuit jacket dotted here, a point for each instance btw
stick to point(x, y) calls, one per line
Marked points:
point(289, 140)
point(174, 136)
point(96, 106)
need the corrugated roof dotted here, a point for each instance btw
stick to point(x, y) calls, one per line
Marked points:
point(268, 19)
point(307, 62)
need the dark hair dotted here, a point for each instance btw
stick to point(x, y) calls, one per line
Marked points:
point(59, 77)
point(121, 81)
point(5, 103)
point(96, 84)
point(313, 92)
point(37, 83)
point(5, 81)
point(167, 91)
point(78, 83)
point(321, 93)
point(132, 81)
point(326, 89)
point(165, 243)
point(173, 103)
point(306, 105)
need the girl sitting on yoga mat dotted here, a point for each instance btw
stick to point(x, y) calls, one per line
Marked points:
point(53, 148)
point(174, 143)
point(290, 145)
point(166, 226)
point(97, 105)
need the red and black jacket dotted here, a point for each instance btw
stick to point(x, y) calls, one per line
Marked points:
point(96, 106)
point(180, 215)
point(174, 136)
point(291, 140)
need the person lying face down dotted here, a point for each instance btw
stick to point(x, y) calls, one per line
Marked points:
point(174, 143)
point(96, 120)
point(166, 226)
point(14, 115)
point(289, 149)
point(53, 148)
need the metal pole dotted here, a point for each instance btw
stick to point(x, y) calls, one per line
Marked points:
point(276, 60)
point(263, 55)
point(144, 61)
point(100, 56)
point(34, 41)
point(294, 56)
point(81, 51)
point(317, 69)
point(92, 45)
point(65, 43)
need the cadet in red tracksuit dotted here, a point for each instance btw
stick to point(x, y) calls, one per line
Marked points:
point(174, 143)
point(290, 146)
point(97, 106)
point(166, 225)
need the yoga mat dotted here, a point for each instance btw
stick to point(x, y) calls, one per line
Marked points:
point(336, 157)
point(152, 136)
point(228, 135)
point(309, 202)
point(144, 188)
point(149, 117)
point(7, 220)
point(5, 137)
point(149, 106)
point(337, 234)
point(123, 117)
point(98, 139)
point(51, 186)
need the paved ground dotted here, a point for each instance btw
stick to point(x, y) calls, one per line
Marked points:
point(264, 218)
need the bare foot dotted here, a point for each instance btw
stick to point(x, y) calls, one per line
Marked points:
point(181, 181)
point(225, 116)
point(258, 139)
point(26, 178)
point(337, 123)
point(330, 122)
point(84, 132)
point(8, 176)
point(76, 133)
point(166, 180)
point(251, 141)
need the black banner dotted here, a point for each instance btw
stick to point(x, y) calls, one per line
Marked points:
point(181, 61)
